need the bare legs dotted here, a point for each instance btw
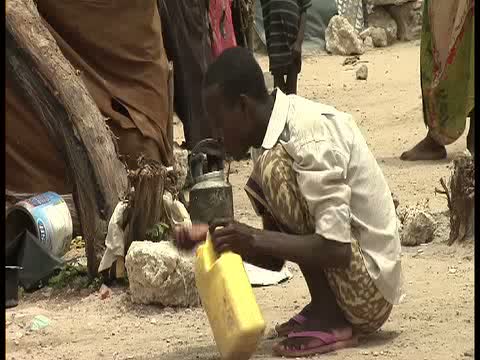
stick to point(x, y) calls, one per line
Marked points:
point(288, 85)
point(322, 312)
point(429, 149)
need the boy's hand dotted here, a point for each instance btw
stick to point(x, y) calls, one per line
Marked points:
point(234, 236)
point(186, 237)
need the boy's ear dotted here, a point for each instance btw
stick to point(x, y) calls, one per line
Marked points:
point(245, 104)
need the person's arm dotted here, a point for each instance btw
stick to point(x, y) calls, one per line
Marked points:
point(301, 28)
point(311, 250)
point(266, 261)
point(303, 5)
point(321, 177)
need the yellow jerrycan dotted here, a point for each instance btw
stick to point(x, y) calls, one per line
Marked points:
point(229, 302)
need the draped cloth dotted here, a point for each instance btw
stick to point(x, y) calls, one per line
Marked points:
point(447, 69)
point(185, 32)
point(118, 48)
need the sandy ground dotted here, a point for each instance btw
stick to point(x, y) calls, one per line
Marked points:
point(436, 320)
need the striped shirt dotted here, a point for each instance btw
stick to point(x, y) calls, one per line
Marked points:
point(281, 20)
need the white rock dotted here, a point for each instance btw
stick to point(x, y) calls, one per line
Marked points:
point(380, 18)
point(379, 37)
point(368, 42)
point(418, 226)
point(366, 33)
point(342, 39)
point(409, 19)
point(362, 73)
point(159, 274)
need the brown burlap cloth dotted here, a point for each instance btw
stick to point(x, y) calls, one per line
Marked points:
point(118, 48)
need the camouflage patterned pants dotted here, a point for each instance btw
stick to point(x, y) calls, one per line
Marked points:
point(273, 191)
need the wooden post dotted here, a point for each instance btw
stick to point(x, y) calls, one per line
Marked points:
point(64, 106)
point(461, 199)
point(146, 202)
point(171, 94)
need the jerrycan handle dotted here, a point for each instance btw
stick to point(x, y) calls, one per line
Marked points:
point(210, 255)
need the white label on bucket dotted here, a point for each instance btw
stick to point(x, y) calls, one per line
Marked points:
point(52, 217)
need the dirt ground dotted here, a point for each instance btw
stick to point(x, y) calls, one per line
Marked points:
point(435, 321)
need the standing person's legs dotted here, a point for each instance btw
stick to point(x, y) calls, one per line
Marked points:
point(292, 76)
point(427, 149)
point(279, 81)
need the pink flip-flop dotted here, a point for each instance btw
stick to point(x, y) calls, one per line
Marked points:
point(297, 319)
point(336, 340)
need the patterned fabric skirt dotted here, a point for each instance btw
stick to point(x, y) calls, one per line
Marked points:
point(274, 192)
point(447, 67)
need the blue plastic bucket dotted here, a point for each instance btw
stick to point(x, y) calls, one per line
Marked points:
point(45, 215)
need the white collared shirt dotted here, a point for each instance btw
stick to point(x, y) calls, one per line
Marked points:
point(342, 183)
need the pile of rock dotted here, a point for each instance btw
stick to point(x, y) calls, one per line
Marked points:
point(398, 19)
point(387, 21)
point(417, 225)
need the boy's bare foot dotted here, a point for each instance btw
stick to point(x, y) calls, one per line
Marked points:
point(427, 149)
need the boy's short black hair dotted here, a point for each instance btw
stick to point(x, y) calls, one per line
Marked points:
point(237, 72)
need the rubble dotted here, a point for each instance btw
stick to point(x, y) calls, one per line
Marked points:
point(362, 73)
point(417, 225)
point(368, 42)
point(408, 17)
point(365, 33)
point(159, 274)
point(380, 18)
point(379, 37)
point(342, 39)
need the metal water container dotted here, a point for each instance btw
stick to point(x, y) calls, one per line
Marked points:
point(211, 196)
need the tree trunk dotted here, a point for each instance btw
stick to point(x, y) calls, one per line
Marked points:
point(64, 106)
point(461, 199)
point(146, 202)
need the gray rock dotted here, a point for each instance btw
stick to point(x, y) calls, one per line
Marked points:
point(386, 2)
point(362, 73)
point(418, 226)
point(342, 39)
point(379, 37)
point(366, 33)
point(409, 19)
point(159, 274)
point(380, 18)
point(368, 42)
